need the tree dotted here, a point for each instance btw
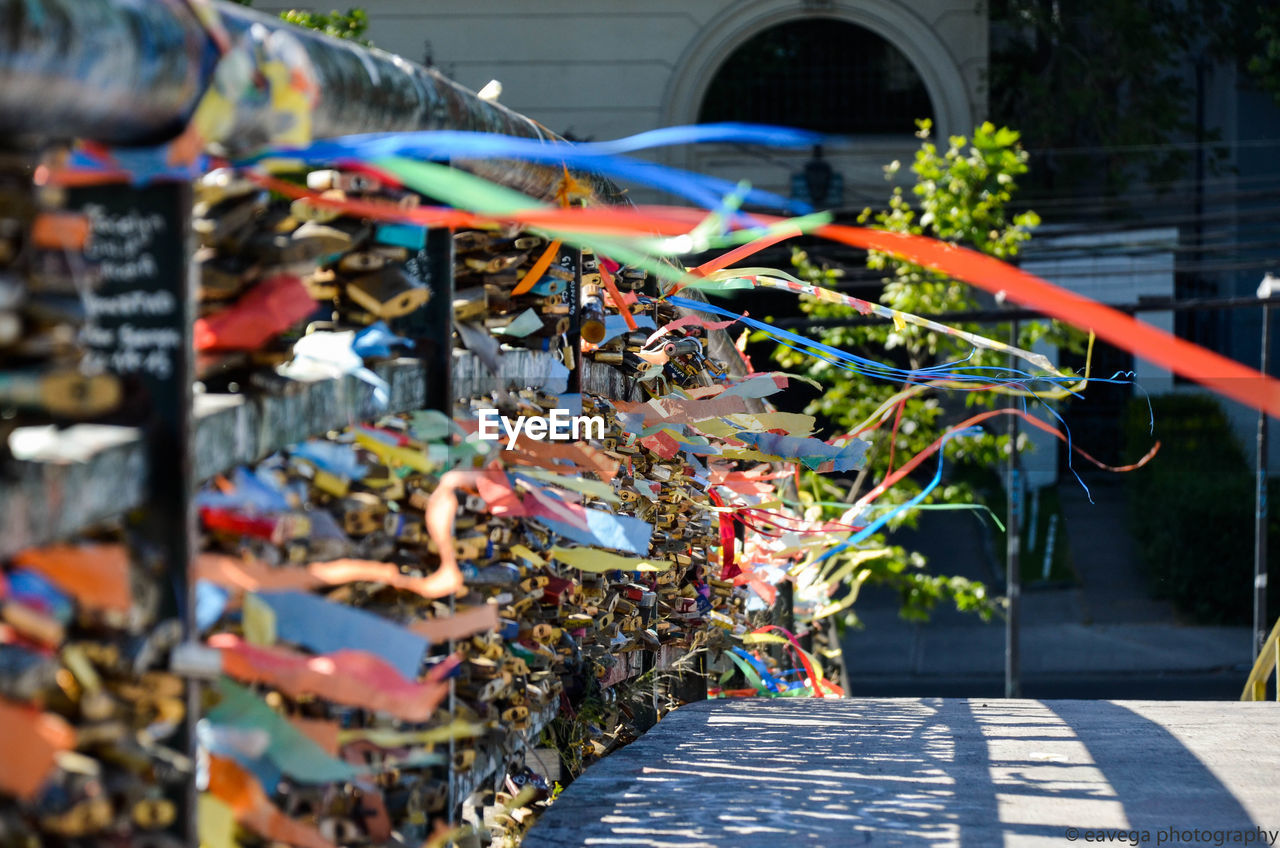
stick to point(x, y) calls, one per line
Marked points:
point(350, 25)
point(1087, 79)
point(961, 195)
point(1264, 63)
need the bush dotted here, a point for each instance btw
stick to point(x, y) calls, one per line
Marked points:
point(1191, 508)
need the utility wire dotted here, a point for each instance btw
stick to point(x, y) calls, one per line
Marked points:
point(997, 316)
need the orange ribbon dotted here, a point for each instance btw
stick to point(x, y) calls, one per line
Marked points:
point(354, 678)
point(29, 739)
point(97, 576)
point(247, 575)
point(240, 791)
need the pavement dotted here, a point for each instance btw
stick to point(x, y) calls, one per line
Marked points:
point(963, 771)
point(1105, 630)
point(769, 773)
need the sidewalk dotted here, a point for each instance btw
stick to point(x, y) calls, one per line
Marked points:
point(930, 773)
point(1106, 625)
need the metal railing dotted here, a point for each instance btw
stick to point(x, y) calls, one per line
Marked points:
point(130, 72)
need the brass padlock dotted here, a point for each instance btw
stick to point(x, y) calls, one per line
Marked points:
point(404, 528)
point(82, 818)
point(361, 513)
point(344, 181)
point(515, 666)
point(470, 304)
point(515, 715)
point(322, 285)
point(223, 276)
point(388, 293)
point(340, 831)
point(307, 209)
point(532, 584)
point(388, 486)
point(544, 632)
point(26, 675)
point(314, 241)
point(467, 241)
point(61, 392)
point(154, 813)
point(496, 264)
point(215, 222)
point(218, 185)
point(520, 607)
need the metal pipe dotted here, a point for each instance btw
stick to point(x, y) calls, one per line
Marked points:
point(130, 72)
point(116, 71)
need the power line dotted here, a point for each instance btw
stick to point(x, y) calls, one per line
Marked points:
point(1131, 201)
point(1141, 249)
point(1153, 148)
point(1233, 181)
point(1268, 213)
point(1187, 268)
point(839, 143)
point(996, 316)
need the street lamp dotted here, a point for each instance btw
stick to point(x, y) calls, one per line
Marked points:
point(1267, 290)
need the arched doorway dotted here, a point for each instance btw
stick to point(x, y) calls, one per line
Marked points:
point(821, 74)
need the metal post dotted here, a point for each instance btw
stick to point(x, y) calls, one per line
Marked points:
point(159, 371)
point(1013, 576)
point(431, 328)
point(1269, 284)
point(783, 615)
point(571, 259)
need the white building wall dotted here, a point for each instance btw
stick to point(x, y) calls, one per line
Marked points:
point(603, 68)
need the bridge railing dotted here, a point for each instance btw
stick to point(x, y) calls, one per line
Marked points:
point(1268, 660)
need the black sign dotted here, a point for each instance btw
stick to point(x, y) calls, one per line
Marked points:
point(139, 327)
point(570, 259)
point(431, 327)
point(138, 323)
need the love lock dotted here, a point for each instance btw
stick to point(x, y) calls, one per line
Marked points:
point(304, 802)
point(26, 675)
point(464, 759)
point(153, 813)
point(388, 293)
point(146, 652)
point(215, 222)
point(340, 831)
point(81, 809)
point(361, 513)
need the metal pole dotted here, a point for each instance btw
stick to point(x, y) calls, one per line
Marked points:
point(1013, 575)
point(1260, 510)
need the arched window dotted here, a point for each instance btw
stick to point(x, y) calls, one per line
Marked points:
point(820, 74)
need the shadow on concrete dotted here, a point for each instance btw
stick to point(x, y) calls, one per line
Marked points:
point(926, 772)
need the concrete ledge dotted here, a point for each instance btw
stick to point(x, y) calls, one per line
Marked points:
point(928, 772)
point(88, 474)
